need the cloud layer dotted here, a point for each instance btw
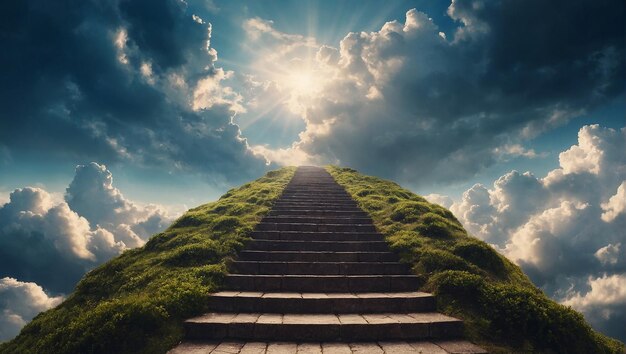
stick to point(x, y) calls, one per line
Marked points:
point(565, 230)
point(54, 244)
point(50, 245)
point(19, 303)
point(119, 81)
point(407, 103)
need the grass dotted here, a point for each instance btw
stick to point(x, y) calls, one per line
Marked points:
point(136, 302)
point(503, 311)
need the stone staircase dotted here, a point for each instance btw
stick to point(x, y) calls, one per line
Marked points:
point(318, 278)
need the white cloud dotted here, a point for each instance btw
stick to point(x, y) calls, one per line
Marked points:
point(604, 305)
point(50, 243)
point(616, 204)
point(210, 92)
point(53, 243)
point(605, 290)
point(360, 111)
point(119, 39)
point(30, 211)
point(442, 200)
point(198, 19)
point(406, 103)
point(609, 254)
point(19, 303)
point(92, 195)
point(516, 150)
point(565, 230)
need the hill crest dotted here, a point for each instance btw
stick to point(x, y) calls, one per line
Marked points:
point(137, 301)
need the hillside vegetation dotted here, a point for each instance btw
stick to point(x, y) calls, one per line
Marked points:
point(137, 301)
point(502, 309)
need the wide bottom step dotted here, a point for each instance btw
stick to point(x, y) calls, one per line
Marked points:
point(424, 347)
point(324, 327)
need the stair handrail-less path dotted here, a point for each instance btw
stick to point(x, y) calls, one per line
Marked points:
point(318, 278)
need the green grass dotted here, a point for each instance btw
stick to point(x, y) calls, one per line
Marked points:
point(503, 311)
point(137, 301)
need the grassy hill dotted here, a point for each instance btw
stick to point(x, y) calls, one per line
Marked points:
point(136, 302)
point(502, 309)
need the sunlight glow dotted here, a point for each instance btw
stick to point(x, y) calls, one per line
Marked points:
point(301, 82)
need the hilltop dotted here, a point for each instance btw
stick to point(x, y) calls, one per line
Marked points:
point(136, 302)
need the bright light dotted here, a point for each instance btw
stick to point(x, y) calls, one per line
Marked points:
point(301, 82)
point(299, 85)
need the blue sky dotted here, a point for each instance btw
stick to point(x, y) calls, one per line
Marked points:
point(143, 109)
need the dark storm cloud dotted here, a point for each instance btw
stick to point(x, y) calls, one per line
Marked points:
point(545, 51)
point(112, 81)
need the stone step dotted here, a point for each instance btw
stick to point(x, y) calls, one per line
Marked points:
point(332, 246)
point(314, 202)
point(316, 236)
point(317, 220)
point(300, 190)
point(319, 213)
point(318, 193)
point(386, 347)
point(325, 196)
point(319, 268)
point(314, 187)
point(313, 256)
point(322, 283)
point(330, 195)
point(257, 302)
point(313, 199)
point(323, 327)
point(316, 270)
point(272, 226)
point(325, 207)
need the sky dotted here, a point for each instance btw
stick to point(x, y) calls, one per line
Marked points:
point(117, 116)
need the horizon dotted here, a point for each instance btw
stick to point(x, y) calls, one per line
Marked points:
point(117, 118)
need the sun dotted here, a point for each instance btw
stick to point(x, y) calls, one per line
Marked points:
point(302, 82)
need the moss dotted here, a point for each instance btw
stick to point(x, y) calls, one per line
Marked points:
point(503, 311)
point(432, 260)
point(136, 302)
point(481, 255)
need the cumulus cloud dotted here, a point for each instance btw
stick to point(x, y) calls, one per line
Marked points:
point(140, 86)
point(53, 243)
point(565, 230)
point(49, 243)
point(92, 195)
point(605, 304)
point(442, 200)
point(407, 103)
point(19, 303)
point(616, 204)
